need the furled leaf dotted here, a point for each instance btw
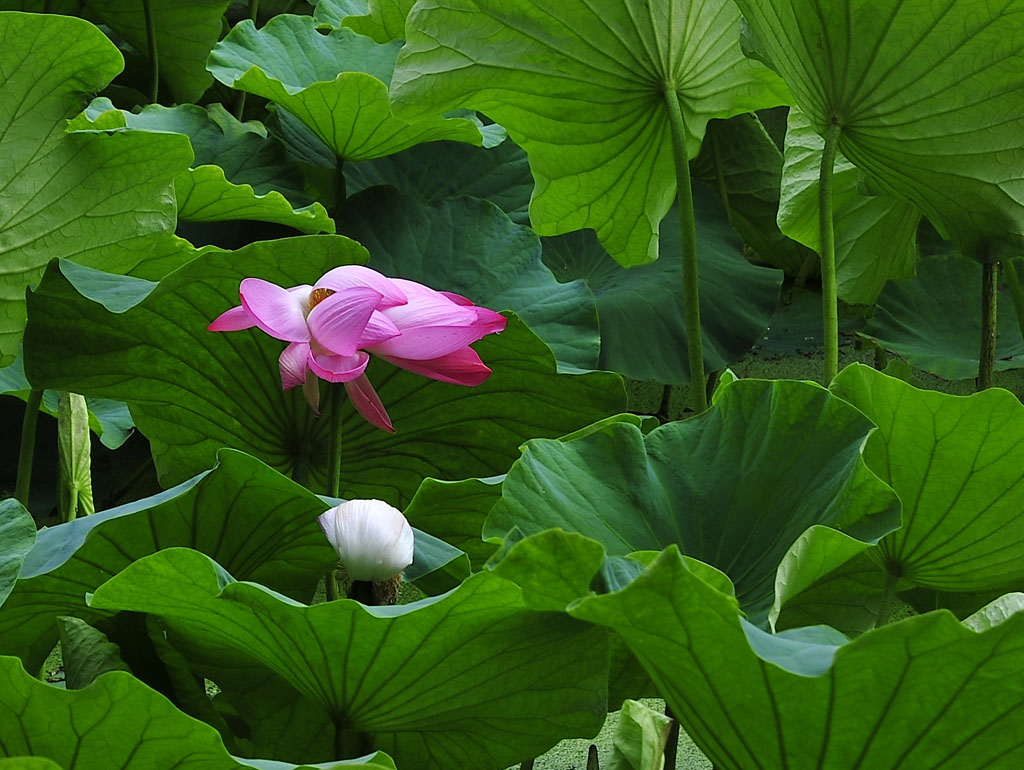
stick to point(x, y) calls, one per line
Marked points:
point(584, 92)
point(524, 679)
point(237, 173)
point(733, 487)
point(741, 161)
point(923, 692)
point(914, 319)
point(640, 738)
point(383, 21)
point(74, 452)
point(438, 170)
point(336, 84)
point(641, 310)
point(17, 536)
point(876, 236)
point(258, 523)
point(955, 462)
point(471, 247)
point(93, 198)
point(192, 391)
point(118, 723)
point(885, 73)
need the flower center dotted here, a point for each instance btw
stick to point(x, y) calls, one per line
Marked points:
point(318, 295)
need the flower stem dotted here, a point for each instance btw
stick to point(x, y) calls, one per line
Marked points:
point(672, 744)
point(688, 244)
point(890, 589)
point(334, 444)
point(989, 325)
point(28, 446)
point(829, 291)
point(154, 86)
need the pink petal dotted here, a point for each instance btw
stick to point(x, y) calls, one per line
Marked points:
point(458, 299)
point(279, 312)
point(335, 368)
point(367, 403)
point(357, 276)
point(233, 320)
point(490, 320)
point(378, 329)
point(294, 364)
point(339, 321)
point(423, 343)
point(462, 367)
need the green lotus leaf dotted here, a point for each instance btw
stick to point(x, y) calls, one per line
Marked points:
point(640, 738)
point(186, 31)
point(995, 612)
point(455, 512)
point(331, 13)
point(741, 161)
point(955, 463)
point(100, 200)
point(733, 487)
point(584, 93)
point(237, 172)
point(438, 170)
point(885, 73)
point(641, 310)
point(260, 524)
point(913, 320)
point(384, 20)
point(524, 679)
point(471, 247)
point(17, 536)
point(336, 84)
point(117, 723)
point(28, 763)
point(876, 236)
point(192, 392)
point(86, 653)
point(923, 692)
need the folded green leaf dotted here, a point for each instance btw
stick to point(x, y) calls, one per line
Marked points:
point(640, 738)
point(583, 92)
point(17, 536)
point(524, 679)
point(336, 84)
point(733, 487)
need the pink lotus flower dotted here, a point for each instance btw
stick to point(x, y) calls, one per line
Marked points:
point(333, 326)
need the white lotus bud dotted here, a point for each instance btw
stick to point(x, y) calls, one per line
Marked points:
point(373, 539)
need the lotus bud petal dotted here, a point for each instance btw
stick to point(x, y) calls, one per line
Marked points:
point(373, 539)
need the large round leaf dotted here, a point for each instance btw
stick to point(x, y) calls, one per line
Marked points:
point(336, 84)
point(255, 521)
point(934, 320)
point(384, 20)
point(886, 73)
point(875, 236)
point(93, 198)
point(641, 309)
point(192, 391)
point(924, 692)
point(733, 487)
point(470, 679)
point(17, 536)
point(116, 724)
point(471, 247)
point(439, 170)
point(584, 91)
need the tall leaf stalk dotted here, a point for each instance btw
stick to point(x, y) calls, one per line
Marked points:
point(154, 85)
point(989, 318)
point(27, 449)
point(688, 243)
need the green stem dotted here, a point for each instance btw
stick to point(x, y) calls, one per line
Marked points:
point(987, 354)
point(300, 468)
point(334, 442)
point(829, 293)
point(890, 590)
point(154, 86)
point(28, 447)
point(331, 585)
point(672, 744)
point(593, 763)
point(527, 765)
point(688, 242)
point(1016, 293)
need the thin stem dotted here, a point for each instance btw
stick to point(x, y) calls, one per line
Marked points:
point(593, 763)
point(987, 354)
point(688, 243)
point(829, 293)
point(334, 443)
point(154, 86)
point(1016, 293)
point(527, 765)
point(886, 606)
point(331, 585)
point(672, 744)
point(28, 446)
